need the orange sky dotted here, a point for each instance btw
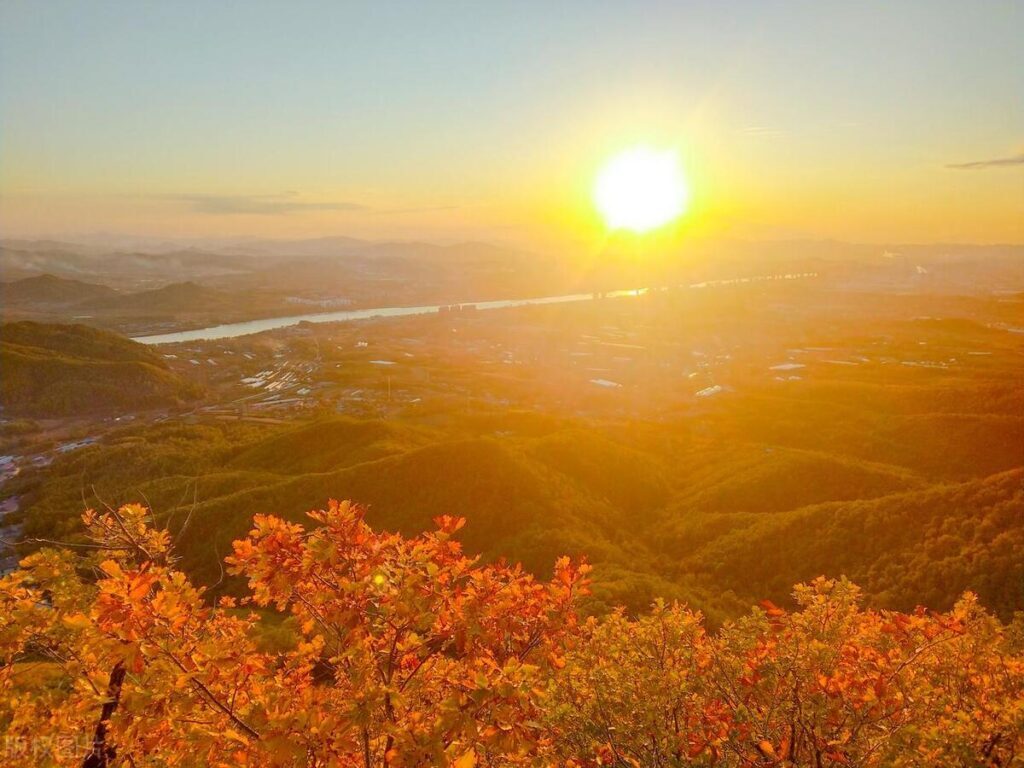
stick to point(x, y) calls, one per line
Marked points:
point(873, 122)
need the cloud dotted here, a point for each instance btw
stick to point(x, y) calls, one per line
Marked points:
point(263, 205)
point(425, 209)
point(999, 162)
point(761, 130)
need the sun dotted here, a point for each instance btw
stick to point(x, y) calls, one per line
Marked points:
point(641, 189)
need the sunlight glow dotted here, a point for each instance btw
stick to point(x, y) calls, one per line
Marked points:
point(641, 189)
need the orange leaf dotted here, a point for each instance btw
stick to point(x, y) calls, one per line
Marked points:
point(765, 748)
point(784, 748)
point(111, 568)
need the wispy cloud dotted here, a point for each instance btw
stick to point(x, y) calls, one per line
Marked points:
point(761, 130)
point(999, 162)
point(425, 209)
point(263, 205)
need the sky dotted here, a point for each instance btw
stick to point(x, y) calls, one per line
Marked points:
point(885, 122)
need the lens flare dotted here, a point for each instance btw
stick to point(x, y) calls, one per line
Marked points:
point(641, 189)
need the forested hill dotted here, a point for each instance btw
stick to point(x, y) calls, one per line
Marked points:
point(662, 510)
point(66, 370)
point(171, 299)
point(52, 290)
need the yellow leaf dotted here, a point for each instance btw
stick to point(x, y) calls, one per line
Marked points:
point(468, 760)
point(111, 568)
point(77, 621)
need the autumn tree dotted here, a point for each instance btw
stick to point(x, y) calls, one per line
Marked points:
point(829, 684)
point(405, 652)
point(409, 653)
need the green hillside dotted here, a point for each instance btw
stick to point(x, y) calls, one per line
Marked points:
point(663, 508)
point(919, 547)
point(63, 370)
point(940, 444)
point(519, 503)
point(767, 478)
point(329, 445)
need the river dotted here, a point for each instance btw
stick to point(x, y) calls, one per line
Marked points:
point(232, 330)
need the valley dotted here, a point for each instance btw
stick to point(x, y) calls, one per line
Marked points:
point(714, 443)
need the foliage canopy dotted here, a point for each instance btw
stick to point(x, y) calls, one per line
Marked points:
point(402, 651)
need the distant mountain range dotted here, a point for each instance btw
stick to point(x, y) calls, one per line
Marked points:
point(259, 263)
point(248, 278)
point(49, 298)
point(52, 290)
point(175, 252)
point(19, 259)
point(176, 297)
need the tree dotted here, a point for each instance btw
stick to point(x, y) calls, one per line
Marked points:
point(827, 685)
point(404, 652)
point(409, 652)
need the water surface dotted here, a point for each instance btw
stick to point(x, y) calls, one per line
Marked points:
point(233, 330)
